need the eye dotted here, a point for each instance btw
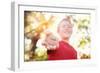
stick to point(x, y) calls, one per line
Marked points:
point(64, 25)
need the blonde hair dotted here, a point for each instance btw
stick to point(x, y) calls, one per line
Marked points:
point(67, 18)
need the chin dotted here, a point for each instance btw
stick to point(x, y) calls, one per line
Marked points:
point(67, 36)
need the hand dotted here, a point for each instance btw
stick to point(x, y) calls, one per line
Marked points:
point(51, 41)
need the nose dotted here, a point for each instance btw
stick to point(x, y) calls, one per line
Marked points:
point(68, 27)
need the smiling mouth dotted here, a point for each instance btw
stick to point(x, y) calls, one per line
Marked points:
point(67, 32)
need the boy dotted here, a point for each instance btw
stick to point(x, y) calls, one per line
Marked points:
point(63, 49)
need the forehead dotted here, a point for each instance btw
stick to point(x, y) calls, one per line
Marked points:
point(65, 23)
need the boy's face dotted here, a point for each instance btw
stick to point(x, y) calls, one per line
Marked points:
point(65, 29)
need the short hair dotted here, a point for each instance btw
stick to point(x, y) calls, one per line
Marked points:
point(67, 18)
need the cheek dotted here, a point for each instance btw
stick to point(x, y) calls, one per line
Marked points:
point(61, 30)
point(66, 32)
point(70, 30)
point(63, 34)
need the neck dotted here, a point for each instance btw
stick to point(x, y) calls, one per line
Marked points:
point(65, 40)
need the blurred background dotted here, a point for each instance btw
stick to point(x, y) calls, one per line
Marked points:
point(35, 23)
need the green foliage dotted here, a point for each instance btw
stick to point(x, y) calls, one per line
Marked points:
point(40, 54)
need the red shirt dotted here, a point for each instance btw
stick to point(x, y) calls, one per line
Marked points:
point(63, 52)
